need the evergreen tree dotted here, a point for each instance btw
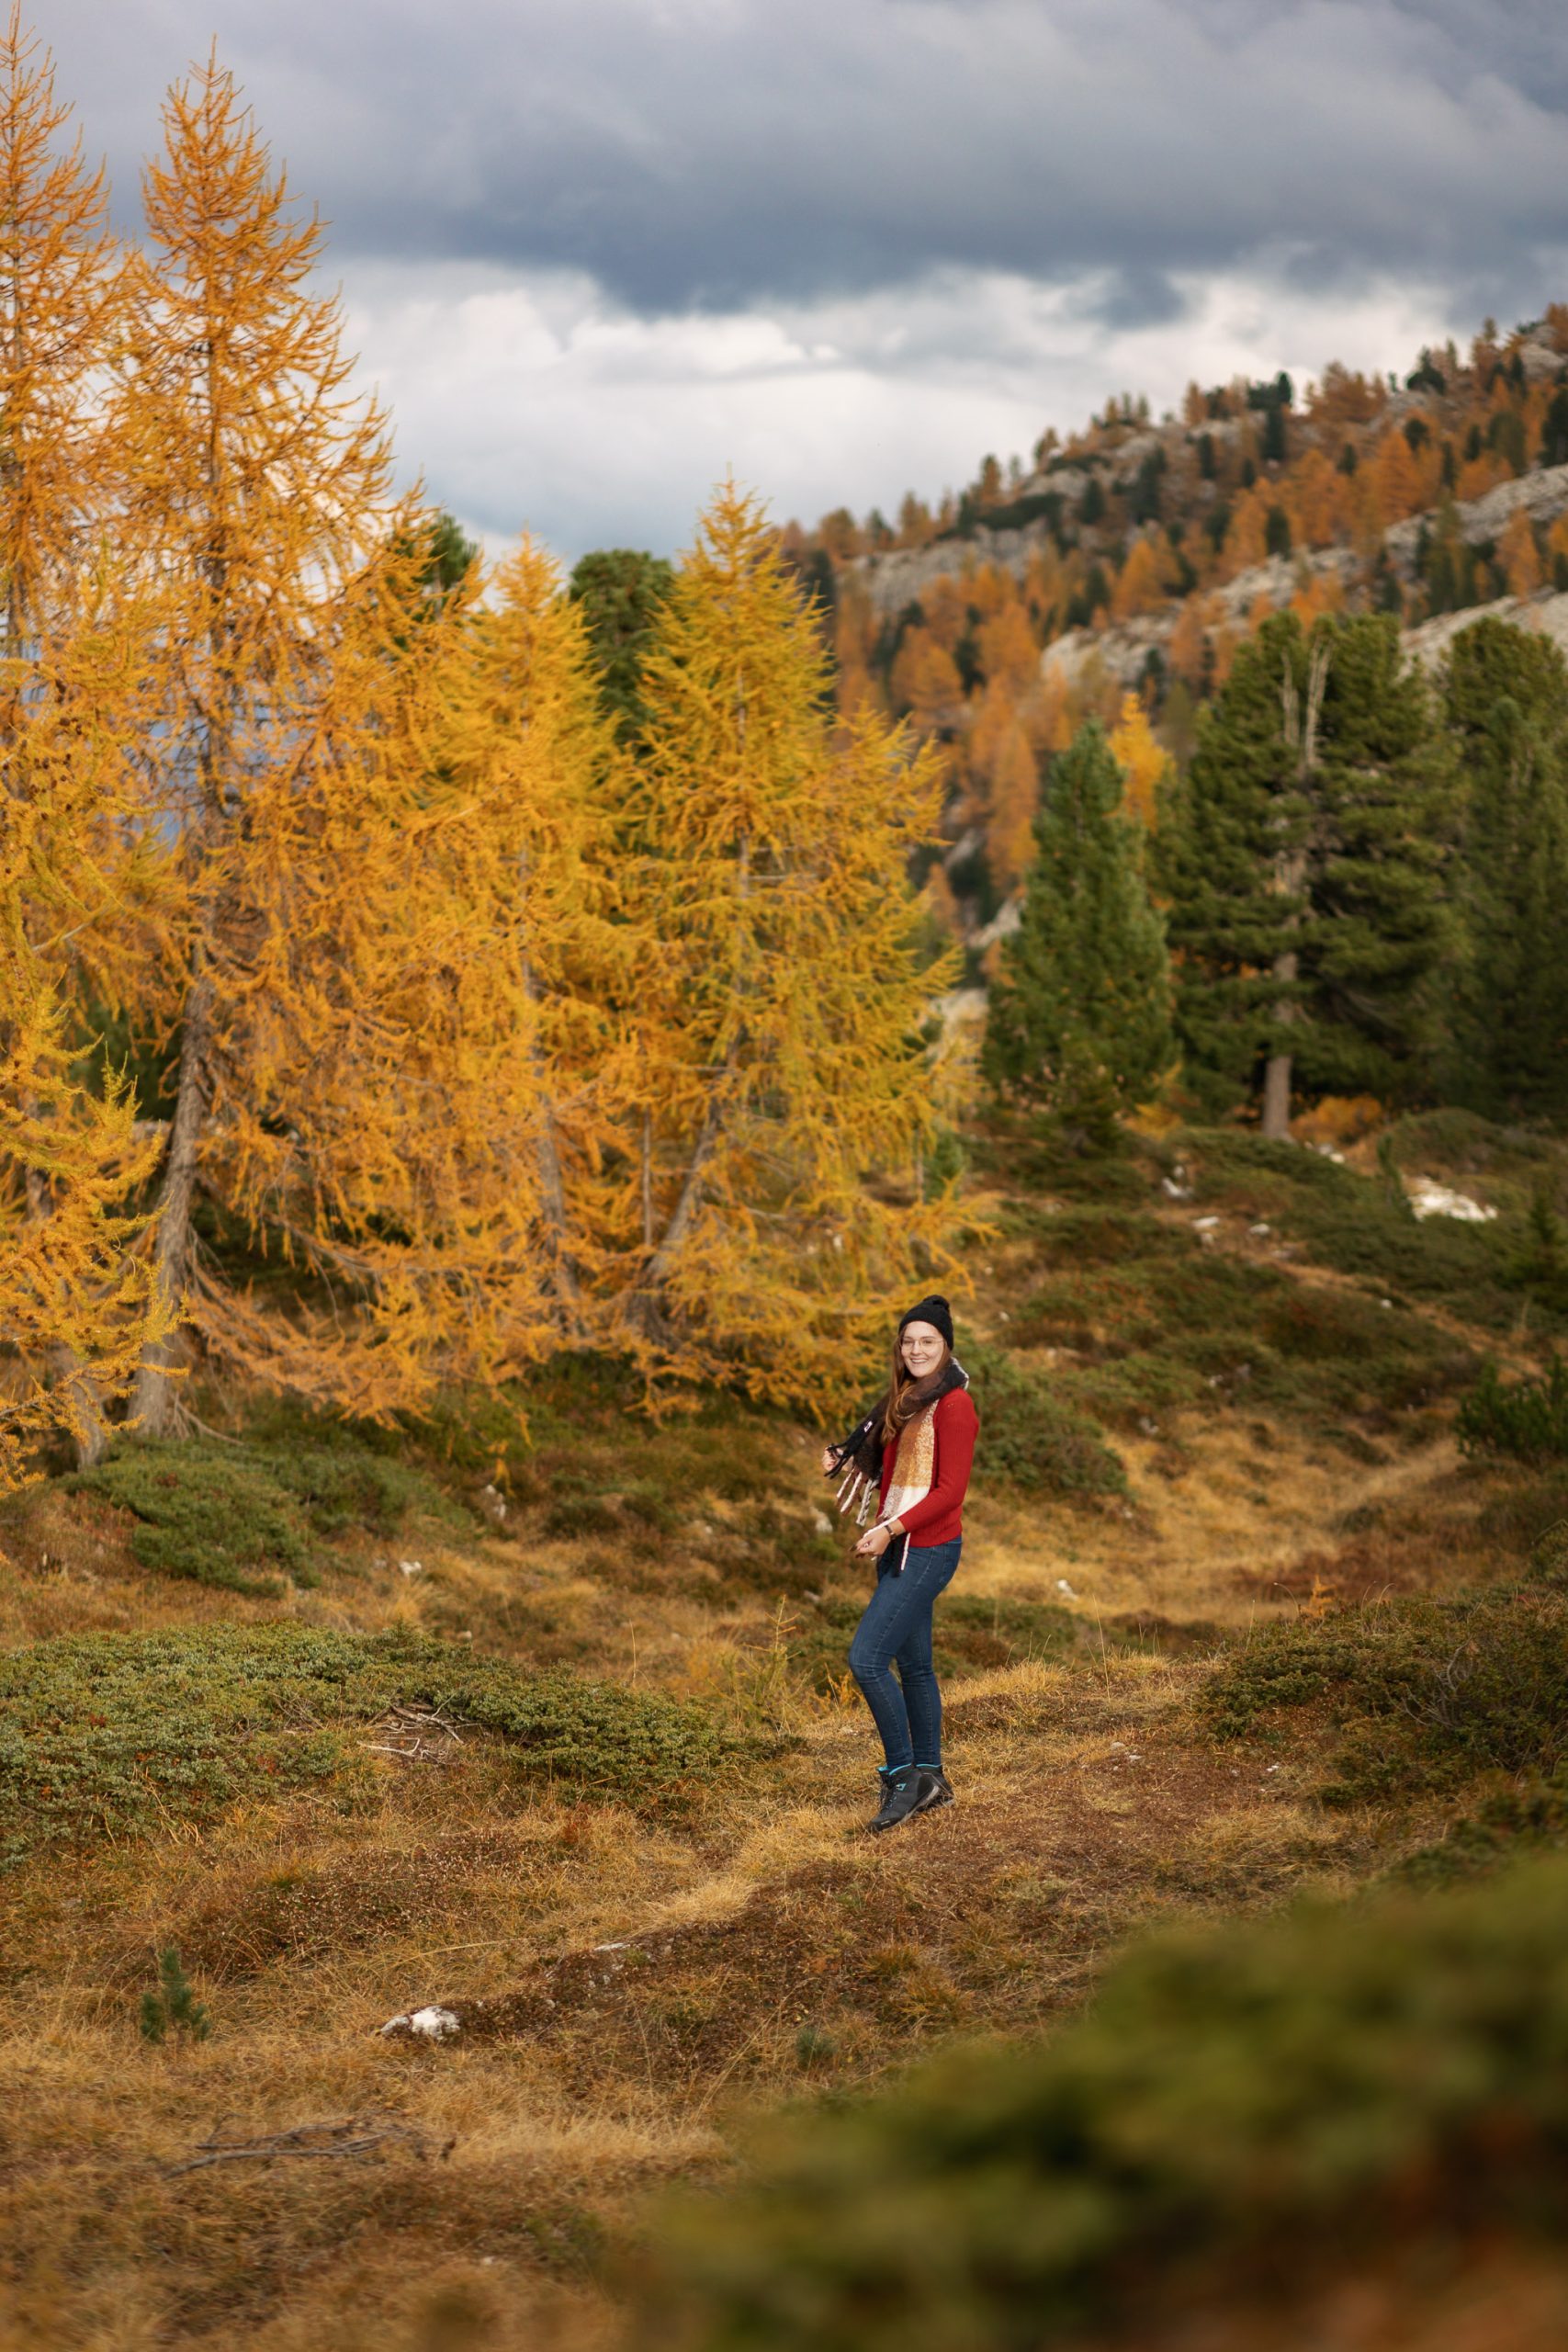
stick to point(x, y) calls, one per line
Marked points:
point(1303, 860)
point(1505, 699)
point(1079, 1014)
point(449, 556)
point(620, 592)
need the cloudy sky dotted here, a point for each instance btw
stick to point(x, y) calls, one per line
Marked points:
point(594, 252)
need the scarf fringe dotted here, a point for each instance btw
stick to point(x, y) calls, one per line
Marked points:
point(855, 1489)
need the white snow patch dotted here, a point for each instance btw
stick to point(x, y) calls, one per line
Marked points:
point(1430, 1199)
point(430, 2024)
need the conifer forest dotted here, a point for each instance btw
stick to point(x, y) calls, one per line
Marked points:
point(488, 1047)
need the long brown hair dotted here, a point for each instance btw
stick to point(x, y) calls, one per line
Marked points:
point(907, 1396)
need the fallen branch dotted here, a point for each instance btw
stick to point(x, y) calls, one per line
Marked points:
point(356, 2136)
point(409, 1729)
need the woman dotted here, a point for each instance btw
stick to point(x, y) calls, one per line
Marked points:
point(919, 1440)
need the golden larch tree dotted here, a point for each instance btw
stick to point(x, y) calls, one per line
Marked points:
point(925, 681)
point(1011, 799)
point(1142, 759)
point(1520, 556)
point(74, 1309)
point(77, 1305)
point(548, 1033)
point(1008, 654)
point(317, 974)
point(1140, 584)
point(783, 1059)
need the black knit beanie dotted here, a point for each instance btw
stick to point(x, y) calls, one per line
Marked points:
point(933, 1310)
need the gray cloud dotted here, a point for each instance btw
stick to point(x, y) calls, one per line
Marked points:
point(691, 154)
point(595, 252)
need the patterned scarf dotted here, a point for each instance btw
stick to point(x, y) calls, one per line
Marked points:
point(858, 1466)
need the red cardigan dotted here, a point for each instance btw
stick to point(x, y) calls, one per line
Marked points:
point(938, 1518)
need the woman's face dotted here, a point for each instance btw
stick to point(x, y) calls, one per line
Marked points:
point(922, 1346)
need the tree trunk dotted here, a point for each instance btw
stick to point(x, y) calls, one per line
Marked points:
point(552, 1191)
point(643, 1311)
point(152, 1399)
point(1289, 880)
point(1277, 1070)
point(552, 1186)
point(647, 1180)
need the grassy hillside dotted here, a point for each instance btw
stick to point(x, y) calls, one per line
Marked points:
point(555, 1736)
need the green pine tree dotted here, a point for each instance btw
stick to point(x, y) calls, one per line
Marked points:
point(1079, 1017)
point(174, 2006)
point(1505, 699)
point(621, 592)
point(1304, 860)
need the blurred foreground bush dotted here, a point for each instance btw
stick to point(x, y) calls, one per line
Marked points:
point(1245, 2113)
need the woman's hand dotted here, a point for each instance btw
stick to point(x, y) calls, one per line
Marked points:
point(873, 1543)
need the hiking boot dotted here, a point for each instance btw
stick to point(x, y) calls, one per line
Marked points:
point(935, 1788)
point(900, 1797)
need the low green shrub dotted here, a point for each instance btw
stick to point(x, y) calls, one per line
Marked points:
point(1529, 1418)
point(213, 1514)
point(347, 1485)
point(1243, 2109)
point(1032, 1438)
point(1424, 1692)
point(241, 1516)
point(113, 1735)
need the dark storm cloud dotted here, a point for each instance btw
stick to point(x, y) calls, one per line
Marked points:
point(710, 154)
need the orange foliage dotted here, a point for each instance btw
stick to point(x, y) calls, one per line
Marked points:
point(1011, 801)
point(315, 971)
point(946, 604)
point(1519, 555)
point(1316, 500)
point(1009, 655)
point(75, 1307)
point(925, 681)
point(1244, 543)
point(1189, 639)
point(1320, 593)
point(1141, 586)
point(1141, 757)
point(990, 591)
point(1057, 717)
point(1344, 398)
point(776, 1018)
point(1479, 474)
point(1398, 484)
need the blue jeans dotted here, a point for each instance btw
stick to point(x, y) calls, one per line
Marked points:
point(896, 1630)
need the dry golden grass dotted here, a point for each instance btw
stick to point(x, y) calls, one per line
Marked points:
point(767, 1947)
point(770, 1946)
